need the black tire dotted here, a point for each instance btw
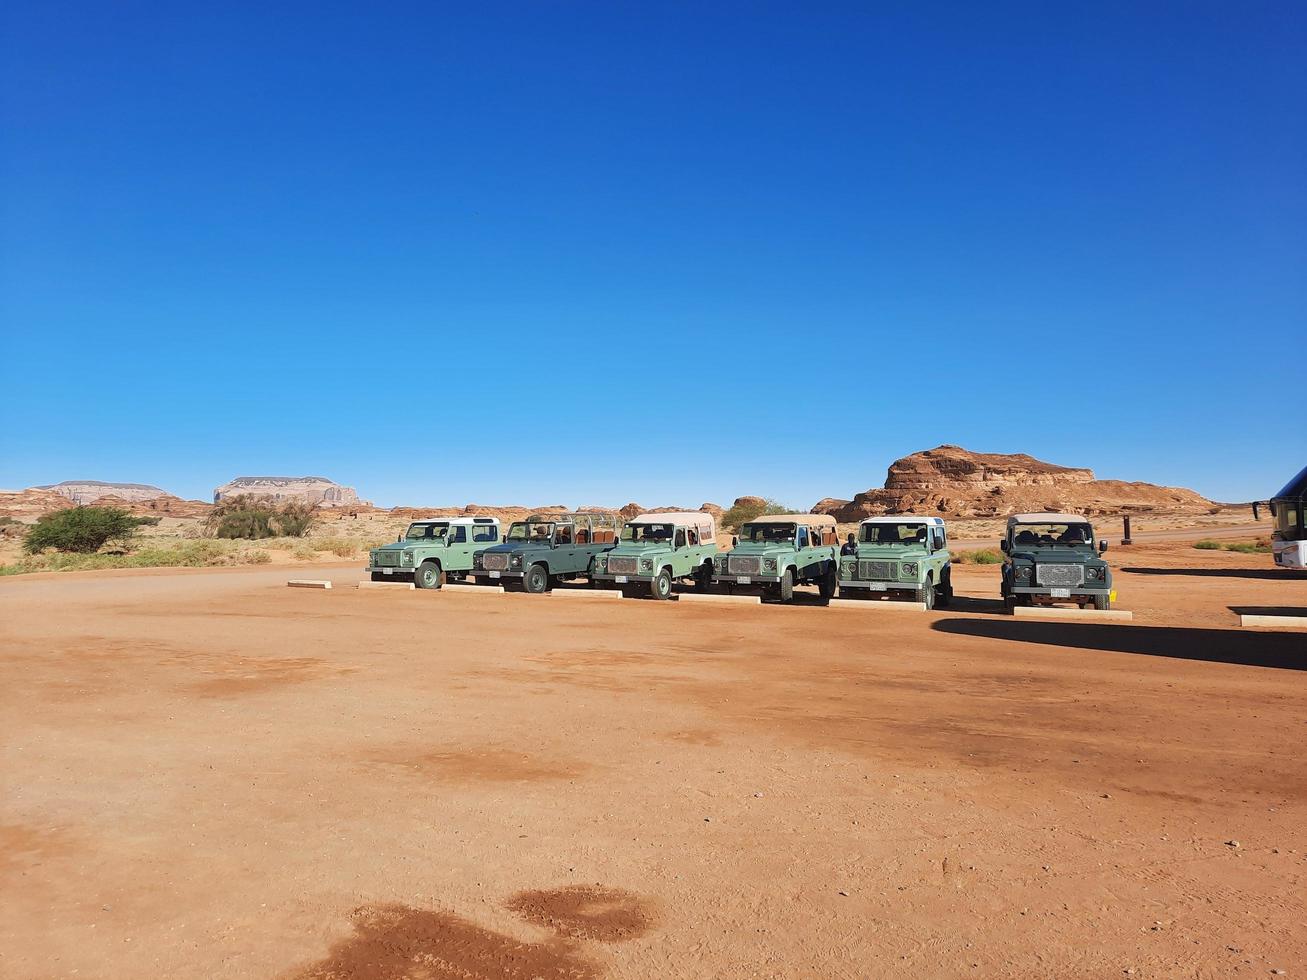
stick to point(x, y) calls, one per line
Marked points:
point(381, 577)
point(785, 590)
point(660, 587)
point(926, 594)
point(429, 575)
point(1010, 604)
point(828, 584)
point(1102, 602)
point(703, 578)
point(536, 579)
point(944, 597)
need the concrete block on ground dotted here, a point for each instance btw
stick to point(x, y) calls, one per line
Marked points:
point(745, 600)
point(1275, 622)
point(887, 605)
point(308, 583)
point(367, 584)
point(478, 589)
point(1053, 612)
point(587, 593)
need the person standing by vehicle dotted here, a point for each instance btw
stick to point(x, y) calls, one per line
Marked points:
point(850, 547)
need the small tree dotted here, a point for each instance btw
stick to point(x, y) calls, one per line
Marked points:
point(83, 529)
point(296, 518)
point(242, 516)
point(744, 513)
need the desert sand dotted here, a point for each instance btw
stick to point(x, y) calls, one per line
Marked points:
point(206, 774)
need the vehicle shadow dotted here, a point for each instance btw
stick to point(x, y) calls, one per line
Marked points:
point(1284, 575)
point(971, 604)
point(1284, 651)
point(1268, 610)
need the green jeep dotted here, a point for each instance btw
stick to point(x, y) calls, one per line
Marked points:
point(1051, 558)
point(897, 555)
point(656, 549)
point(773, 554)
point(431, 551)
point(546, 549)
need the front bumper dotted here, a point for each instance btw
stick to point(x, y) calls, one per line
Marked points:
point(495, 575)
point(629, 577)
point(853, 583)
point(1052, 593)
point(390, 569)
point(761, 579)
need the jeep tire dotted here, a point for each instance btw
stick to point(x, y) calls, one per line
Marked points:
point(926, 595)
point(382, 577)
point(703, 578)
point(536, 579)
point(429, 575)
point(660, 586)
point(827, 584)
point(945, 594)
point(1102, 602)
point(785, 589)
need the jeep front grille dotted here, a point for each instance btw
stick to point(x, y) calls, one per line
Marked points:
point(1060, 576)
point(495, 562)
point(879, 570)
point(621, 565)
point(743, 565)
point(387, 558)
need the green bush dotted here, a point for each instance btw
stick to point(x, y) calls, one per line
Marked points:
point(744, 513)
point(256, 518)
point(83, 530)
point(185, 554)
point(1250, 547)
point(1207, 545)
point(981, 556)
point(294, 519)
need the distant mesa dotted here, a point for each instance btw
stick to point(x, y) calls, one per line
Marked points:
point(89, 491)
point(138, 498)
point(956, 482)
point(316, 490)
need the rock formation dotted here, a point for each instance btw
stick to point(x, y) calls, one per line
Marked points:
point(316, 490)
point(30, 505)
point(955, 482)
point(91, 491)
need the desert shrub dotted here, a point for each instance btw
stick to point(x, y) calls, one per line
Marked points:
point(257, 558)
point(83, 530)
point(1250, 547)
point(242, 516)
point(304, 553)
point(744, 513)
point(981, 556)
point(1207, 545)
point(295, 519)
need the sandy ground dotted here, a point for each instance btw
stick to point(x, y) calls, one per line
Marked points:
point(206, 774)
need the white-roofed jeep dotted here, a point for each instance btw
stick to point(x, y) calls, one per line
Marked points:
point(774, 554)
point(899, 557)
point(654, 550)
point(432, 551)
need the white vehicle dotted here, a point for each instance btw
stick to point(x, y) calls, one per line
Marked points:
point(1289, 540)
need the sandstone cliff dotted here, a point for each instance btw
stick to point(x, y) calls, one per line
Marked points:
point(316, 490)
point(955, 482)
point(91, 491)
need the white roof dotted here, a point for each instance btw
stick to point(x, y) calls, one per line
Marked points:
point(903, 519)
point(456, 520)
point(1048, 519)
point(812, 520)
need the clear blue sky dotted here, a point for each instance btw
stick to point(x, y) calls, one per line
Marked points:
point(584, 253)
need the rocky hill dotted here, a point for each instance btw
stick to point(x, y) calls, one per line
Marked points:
point(32, 504)
point(90, 491)
point(316, 490)
point(956, 482)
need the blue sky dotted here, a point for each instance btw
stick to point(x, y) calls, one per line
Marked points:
point(588, 253)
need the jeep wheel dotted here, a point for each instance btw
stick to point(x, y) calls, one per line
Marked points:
point(1102, 602)
point(1010, 604)
point(661, 586)
point(429, 575)
point(536, 579)
point(926, 595)
point(703, 578)
point(786, 588)
point(945, 595)
point(827, 585)
point(381, 577)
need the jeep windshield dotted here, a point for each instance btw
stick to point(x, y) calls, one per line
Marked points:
point(531, 531)
point(1052, 536)
point(425, 532)
point(893, 534)
point(647, 533)
point(767, 533)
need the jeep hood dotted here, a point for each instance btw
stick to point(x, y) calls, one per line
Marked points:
point(1062, 556)
point(891, 553)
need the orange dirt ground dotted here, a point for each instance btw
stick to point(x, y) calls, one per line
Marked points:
point(206, 774)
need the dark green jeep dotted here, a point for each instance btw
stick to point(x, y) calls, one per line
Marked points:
point(1051, 558)
point(546, 549)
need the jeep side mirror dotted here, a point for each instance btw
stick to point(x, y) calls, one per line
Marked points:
point(399, 539)
point(1002, 546)
point(1102, 546)
point(735, 542)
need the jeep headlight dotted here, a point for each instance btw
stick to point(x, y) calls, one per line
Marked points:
point(406, 558)
point(646, 564)
point(1095, 572)
point(476, 560)
point(515, 561)
point(909, 569)
point(1022, 572)
point(601, 563)
point(769, 564)
point(850, 568)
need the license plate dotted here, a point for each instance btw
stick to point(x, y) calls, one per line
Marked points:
point(494, 575)
point(1061, 593)
point(619, 579)
point(877, 586)
point(743, 580)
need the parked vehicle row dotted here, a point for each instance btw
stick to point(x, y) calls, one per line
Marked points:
point(1048, 557)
